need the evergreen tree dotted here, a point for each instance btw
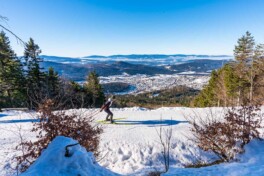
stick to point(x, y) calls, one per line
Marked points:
point(240, 82)
point(77, 95)
point(244, 50)
point(11, 75)
point(244, 54)
point(231, 82)
point(259, 74)
point(36, 89)
point(208, 96)
point(53, 83)
point(94, 88)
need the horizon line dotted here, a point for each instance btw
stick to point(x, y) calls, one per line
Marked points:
point(99, 55)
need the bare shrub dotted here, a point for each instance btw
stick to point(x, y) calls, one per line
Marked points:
point(58, 123)
point(228, 137)
point(165, 136)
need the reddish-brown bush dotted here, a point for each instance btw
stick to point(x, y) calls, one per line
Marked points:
point(228, 137)
point(58, 123)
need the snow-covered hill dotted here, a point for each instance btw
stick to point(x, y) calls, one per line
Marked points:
point(132, 145)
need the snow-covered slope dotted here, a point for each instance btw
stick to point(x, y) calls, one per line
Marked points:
point(132, 145)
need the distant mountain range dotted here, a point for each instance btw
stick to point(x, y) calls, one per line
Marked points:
point(150, 56)
point(78, 68)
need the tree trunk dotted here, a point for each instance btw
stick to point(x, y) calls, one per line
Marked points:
point(251, 86)
point(238, 98)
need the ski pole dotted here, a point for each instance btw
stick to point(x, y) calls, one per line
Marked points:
point(93, 113)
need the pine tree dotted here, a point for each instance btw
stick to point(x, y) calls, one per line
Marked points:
point(244, 54)
point(259, 74)
point(240, 82)
point(94, 88)
point(11, 75)
point(244, 50)
point(53, 83)
point(230, 81)
point(81, 97)
point(208, 96)
point(36, 89)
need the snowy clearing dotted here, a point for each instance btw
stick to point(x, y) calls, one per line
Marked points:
point(131, 147)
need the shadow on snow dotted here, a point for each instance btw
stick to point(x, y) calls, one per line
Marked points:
point(3, 115)
point(150, 123)
point(19, 121)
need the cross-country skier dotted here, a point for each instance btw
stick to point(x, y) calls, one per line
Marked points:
point(106, 108)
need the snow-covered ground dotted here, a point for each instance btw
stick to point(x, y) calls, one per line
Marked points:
point(145, 83)
point(79, 162)
point(251, 163)
point(132, 147)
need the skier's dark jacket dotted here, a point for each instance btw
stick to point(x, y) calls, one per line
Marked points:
point(107, 105)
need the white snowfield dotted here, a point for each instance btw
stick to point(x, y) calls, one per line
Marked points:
point(130, 147)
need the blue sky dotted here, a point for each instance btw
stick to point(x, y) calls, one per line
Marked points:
point(78, 28)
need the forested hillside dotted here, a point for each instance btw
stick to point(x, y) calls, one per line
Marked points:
point(240, 82)
point(24, 83)
point(175, 96)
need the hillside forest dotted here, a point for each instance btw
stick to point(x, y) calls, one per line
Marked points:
point(24, 83)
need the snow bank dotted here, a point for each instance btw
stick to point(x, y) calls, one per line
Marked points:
point(53, 162)
point(251, 163)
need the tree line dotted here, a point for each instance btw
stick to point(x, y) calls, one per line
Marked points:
point(175, 96)
point(24, 83)
point(240, 82)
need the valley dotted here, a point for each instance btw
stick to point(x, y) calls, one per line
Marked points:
point(146, 83)
point(140, 73)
